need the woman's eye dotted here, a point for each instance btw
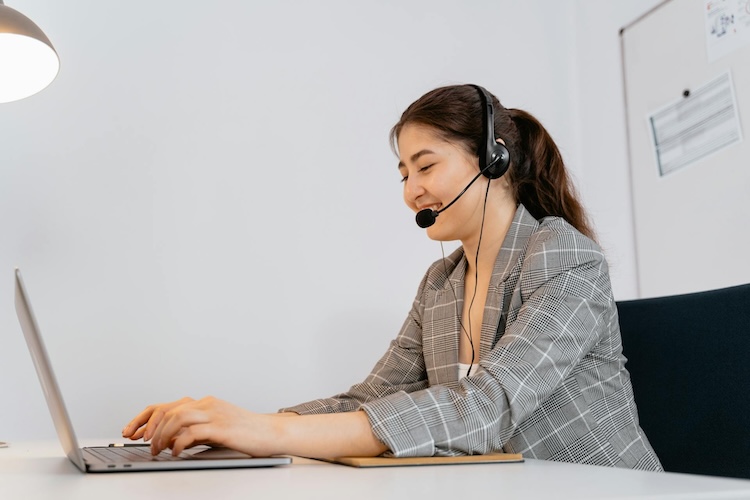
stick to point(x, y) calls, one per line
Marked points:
point(423, 169)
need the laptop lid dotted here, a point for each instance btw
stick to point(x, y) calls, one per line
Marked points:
point(198, 458)
point(51, 390)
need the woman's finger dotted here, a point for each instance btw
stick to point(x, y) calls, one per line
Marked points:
point(189, 437)
point(175, 421)
point(136, 424)
point(153, 423)
point(149, 419)
point(138, 434)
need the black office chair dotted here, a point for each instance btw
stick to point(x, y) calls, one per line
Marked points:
point(689, 362)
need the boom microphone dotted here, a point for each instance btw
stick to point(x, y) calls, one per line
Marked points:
point(426, 218)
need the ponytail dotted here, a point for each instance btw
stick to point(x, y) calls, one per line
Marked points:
point(539, 178)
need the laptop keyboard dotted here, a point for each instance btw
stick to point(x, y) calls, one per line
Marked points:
point(130, 454)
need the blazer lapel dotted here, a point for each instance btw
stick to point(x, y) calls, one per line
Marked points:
point(440, 341)
point(507, 265)
point(514, 244)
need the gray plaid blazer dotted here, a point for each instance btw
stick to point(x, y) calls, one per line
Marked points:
point(551, 382)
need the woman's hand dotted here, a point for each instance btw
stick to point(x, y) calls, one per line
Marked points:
point(145, 423)
point(187, 422)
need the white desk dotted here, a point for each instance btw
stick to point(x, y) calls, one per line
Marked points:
point(32, 470)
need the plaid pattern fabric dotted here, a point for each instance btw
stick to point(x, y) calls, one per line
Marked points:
point(551, 382)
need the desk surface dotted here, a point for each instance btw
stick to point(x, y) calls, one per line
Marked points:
point(41, 470)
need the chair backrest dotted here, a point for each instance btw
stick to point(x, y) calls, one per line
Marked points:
point(689, 362)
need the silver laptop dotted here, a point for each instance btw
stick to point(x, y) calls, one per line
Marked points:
point(116, 458)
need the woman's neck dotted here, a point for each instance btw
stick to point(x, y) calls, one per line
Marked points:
point(481, 250)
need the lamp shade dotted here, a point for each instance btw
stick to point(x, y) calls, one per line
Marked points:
point(28, 62)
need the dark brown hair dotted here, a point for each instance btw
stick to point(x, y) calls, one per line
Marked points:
point(537, 174)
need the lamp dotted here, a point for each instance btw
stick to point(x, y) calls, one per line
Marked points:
point(28, 61)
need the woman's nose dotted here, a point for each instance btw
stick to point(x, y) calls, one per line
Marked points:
point(413, 189)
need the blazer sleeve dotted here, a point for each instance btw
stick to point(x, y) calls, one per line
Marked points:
point(565, 303)
point(400, 369)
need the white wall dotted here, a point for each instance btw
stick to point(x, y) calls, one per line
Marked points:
point(206, 192)
point(604, 179)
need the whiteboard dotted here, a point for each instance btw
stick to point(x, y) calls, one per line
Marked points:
point(692, 222)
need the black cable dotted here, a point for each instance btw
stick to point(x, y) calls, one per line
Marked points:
point(476, 281)
point(476, 277)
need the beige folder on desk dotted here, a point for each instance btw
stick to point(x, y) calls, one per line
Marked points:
point(396, 462)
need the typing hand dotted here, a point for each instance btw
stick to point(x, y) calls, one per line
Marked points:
point(145, 423)
point(188, 422)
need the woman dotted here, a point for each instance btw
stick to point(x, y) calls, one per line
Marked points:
point(512, 343)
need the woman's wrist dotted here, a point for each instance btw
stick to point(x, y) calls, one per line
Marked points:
point(317, 436)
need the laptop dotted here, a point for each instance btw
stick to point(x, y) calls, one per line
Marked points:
point(123, 457)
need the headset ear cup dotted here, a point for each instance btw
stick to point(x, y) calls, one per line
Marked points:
point(499, 160)
point(493, 155)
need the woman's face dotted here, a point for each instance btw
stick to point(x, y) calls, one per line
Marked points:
point(434, 172)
